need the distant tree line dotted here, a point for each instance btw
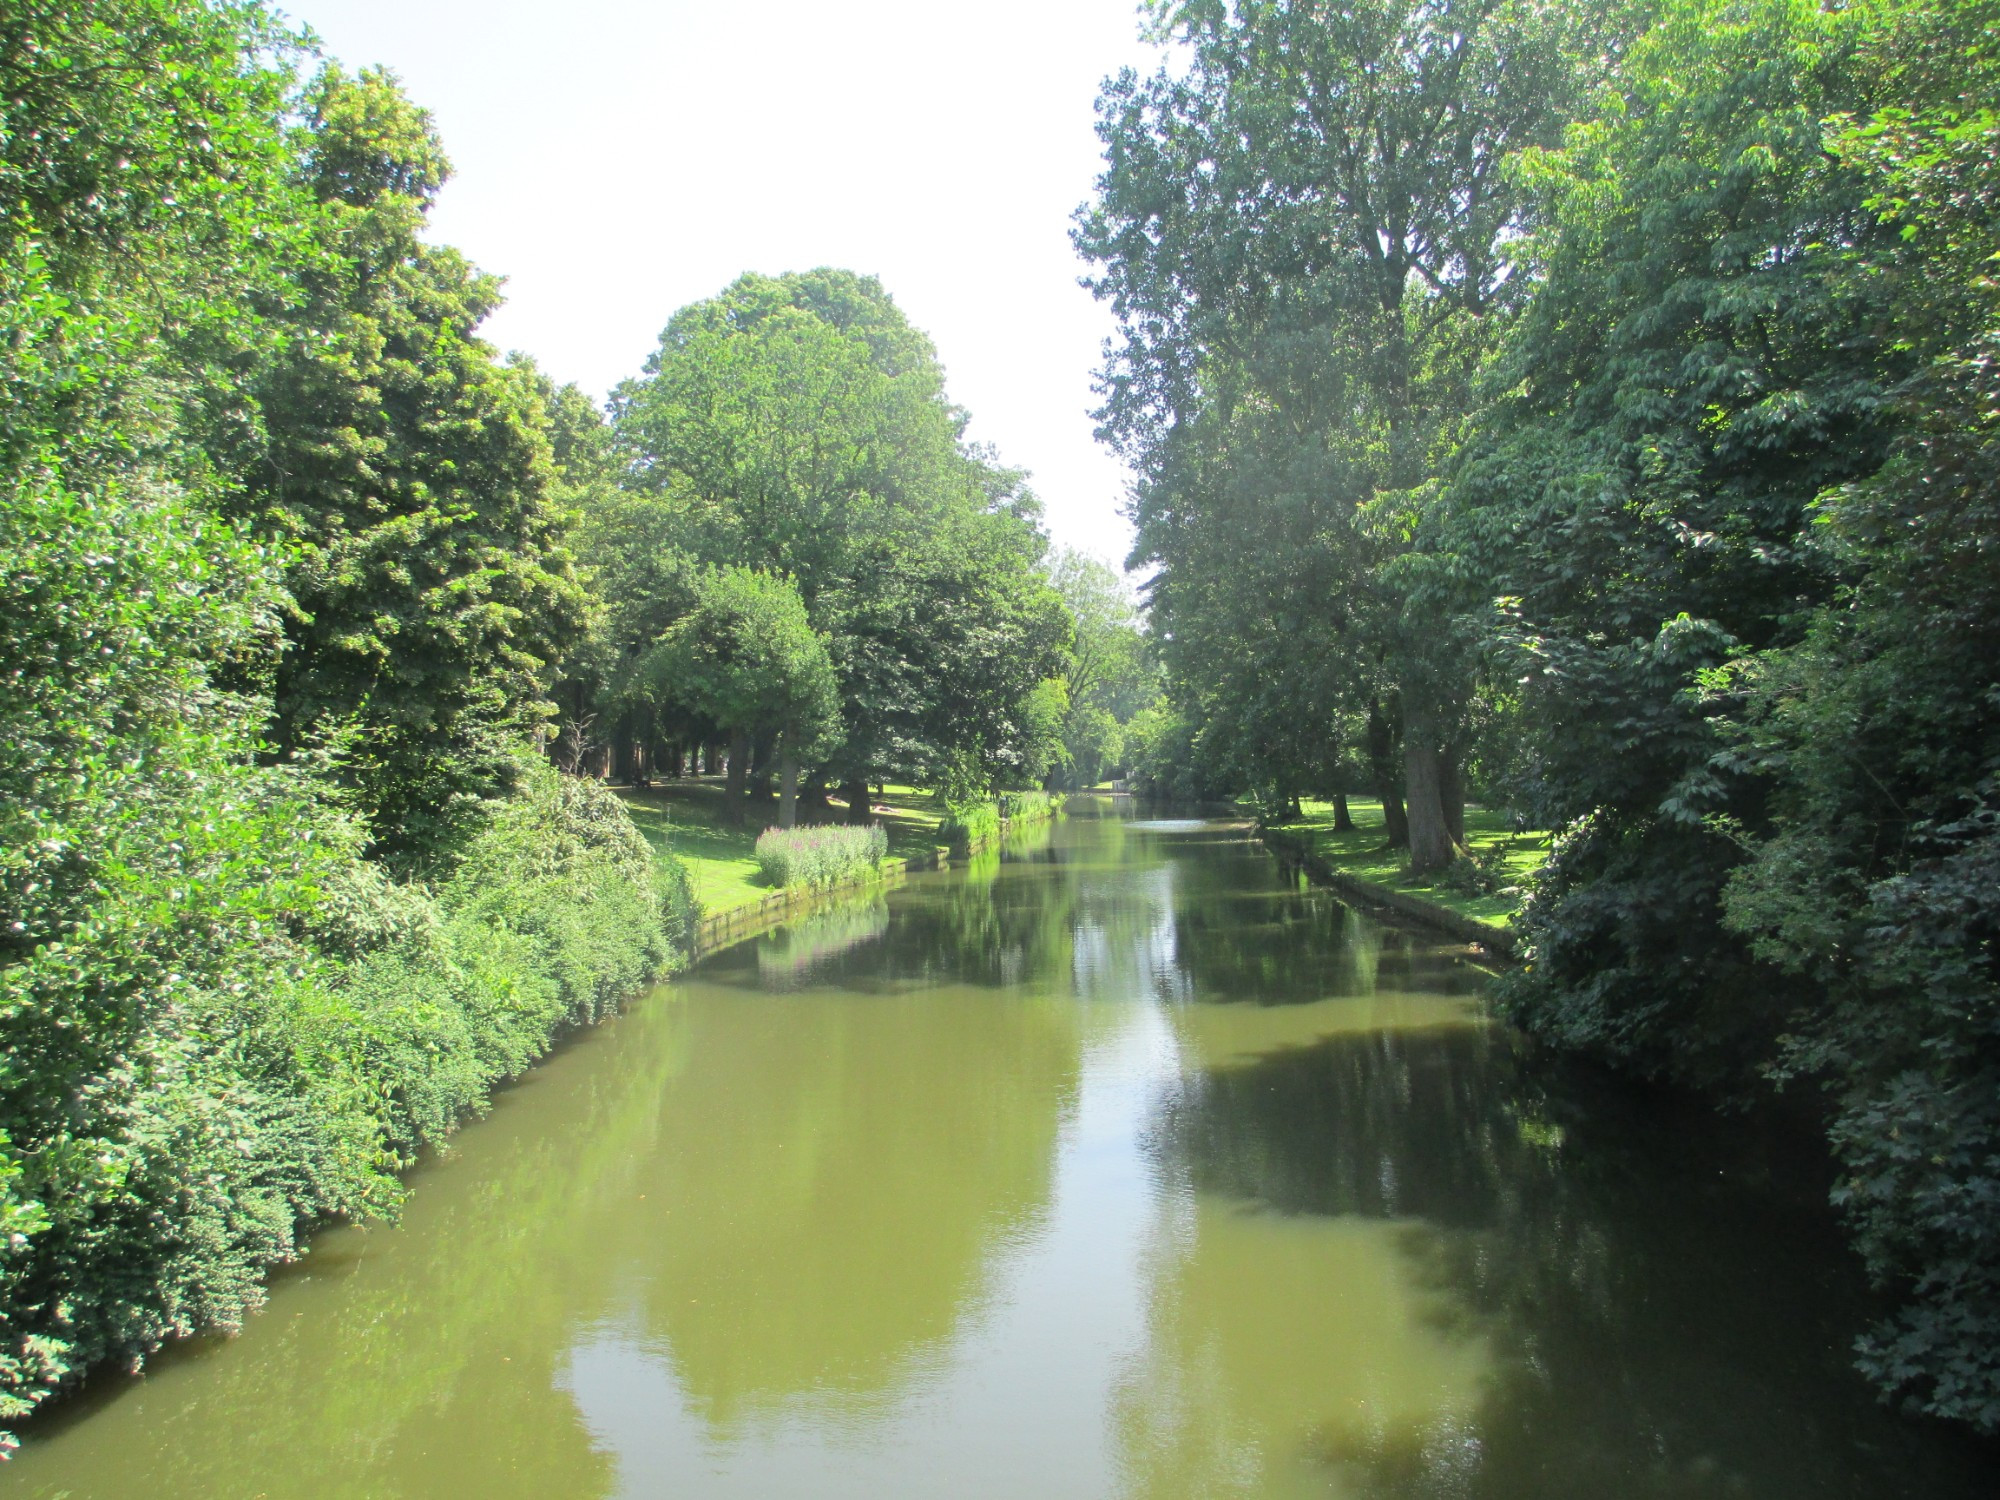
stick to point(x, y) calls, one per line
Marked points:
point(1591, 409)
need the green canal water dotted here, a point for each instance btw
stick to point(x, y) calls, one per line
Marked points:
point(1118, 1165)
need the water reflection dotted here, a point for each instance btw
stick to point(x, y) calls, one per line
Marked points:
point(1117, 1165)
point(798, 951)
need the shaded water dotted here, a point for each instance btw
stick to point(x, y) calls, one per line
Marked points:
point(1118, 1165)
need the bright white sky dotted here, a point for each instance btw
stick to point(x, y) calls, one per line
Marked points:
point(617, 159)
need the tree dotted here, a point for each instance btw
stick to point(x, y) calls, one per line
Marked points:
point(747, 659)
point(1304, 237)
point(1109, 676)
point(1687, 378)
point(1876, 878)
point(799, 425)
point(409, 475)
point(221, 1023)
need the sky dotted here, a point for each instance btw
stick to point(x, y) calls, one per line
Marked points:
point(618, 159)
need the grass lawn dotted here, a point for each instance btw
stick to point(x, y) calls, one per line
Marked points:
point(688, 818)
point(1361, 853)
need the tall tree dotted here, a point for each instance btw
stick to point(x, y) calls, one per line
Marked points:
point(1878, 878)
point(1304, 235)
point(408, 472)
point(1687, 379)
point(799, 425)
point(1109, 676)
point(747, 659)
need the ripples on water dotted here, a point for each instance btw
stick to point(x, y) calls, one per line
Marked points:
point(1117, 1164)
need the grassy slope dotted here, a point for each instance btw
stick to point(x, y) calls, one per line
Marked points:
point(688, 818)
point(1362, 854)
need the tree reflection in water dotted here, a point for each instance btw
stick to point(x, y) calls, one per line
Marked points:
point(1570, 1294)
point(1117, 1166)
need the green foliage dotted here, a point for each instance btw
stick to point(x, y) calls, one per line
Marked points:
point(1039, 751)
point(747, 659)
point(1683, 354)
point(1029, 807)
point(1110, 674)
point(821, 856)
point(220, 1023)
point(1677, 393)
point(798, 426)
point(1876, 881)
point(409, 475)
point(1165, 760)
point(970, 825)
point(1306, 234)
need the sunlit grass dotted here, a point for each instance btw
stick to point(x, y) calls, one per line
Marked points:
point(690, 819)
point(1363, 852)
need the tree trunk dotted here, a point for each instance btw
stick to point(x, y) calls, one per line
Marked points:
point(855, 794)
point(1451, 792)
point(1343, 820)
point(1431, 846)
point(788, 788)
point(1382, 771)
point(763, 768)
point(738, 780)
point(812, 794)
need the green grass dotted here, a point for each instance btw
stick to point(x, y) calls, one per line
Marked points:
point(1362, 853)
point(689, 818)
point(912, 818)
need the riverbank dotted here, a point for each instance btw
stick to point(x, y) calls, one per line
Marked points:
point(1360, 863)
point(690, 821)
point(1046, 1145)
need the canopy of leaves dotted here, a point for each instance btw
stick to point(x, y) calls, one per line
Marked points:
point(1304, 230)
point(798, 426)
point(747, 659)
point(409, 475)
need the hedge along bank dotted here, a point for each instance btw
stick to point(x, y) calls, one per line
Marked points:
point(820, 855)
point(192, 1084)
point(974, 826)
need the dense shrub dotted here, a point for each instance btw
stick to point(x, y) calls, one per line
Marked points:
point(968, 825)
point(1030, 807)
point(550, 920)
point(819, 856)
point(221, 1024)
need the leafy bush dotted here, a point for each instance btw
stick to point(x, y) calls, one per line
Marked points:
point(241, 1028)
point(819, 856)
point(1030, 807)
point(1479, 872)
point(968, 825)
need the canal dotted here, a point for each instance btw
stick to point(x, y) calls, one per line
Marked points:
point(1116, 1165)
